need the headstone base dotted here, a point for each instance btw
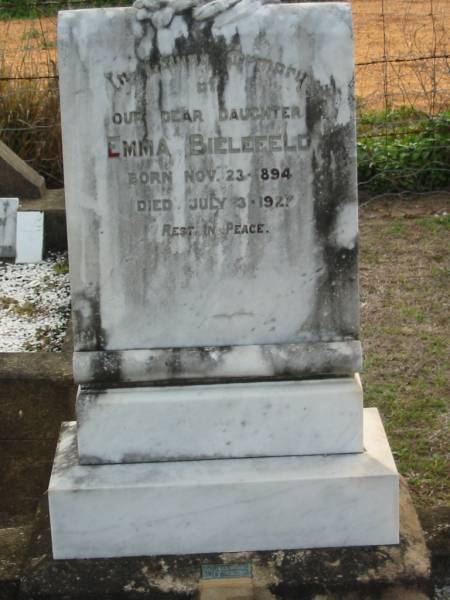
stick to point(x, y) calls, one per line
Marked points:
point(224, 505)
point(382, 572)
point(271, 418)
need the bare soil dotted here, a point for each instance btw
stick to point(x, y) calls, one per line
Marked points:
point(395, 29)
point(402, 29)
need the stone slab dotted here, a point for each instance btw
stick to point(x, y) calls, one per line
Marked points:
point(55, 229)
point(8, 225)
point(361, 573)
point(224, 505)
point(210, 170)
point(229, 363)
point(277, 418)
point(17, 178)
point(30, 237)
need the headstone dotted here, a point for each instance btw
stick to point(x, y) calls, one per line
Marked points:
point(221, 178)
point(30, 236)
point(8, 223)
point(17, 178)
point(210, 168)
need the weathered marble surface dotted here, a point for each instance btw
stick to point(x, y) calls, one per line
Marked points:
point(266, 261)
point(397, 572)
point(224, 505)
point(8, 225)
point(210, 363)
point(282, 418)
point(30, 236)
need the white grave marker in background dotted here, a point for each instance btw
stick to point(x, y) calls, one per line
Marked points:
point(8, 224)
point(30, 236)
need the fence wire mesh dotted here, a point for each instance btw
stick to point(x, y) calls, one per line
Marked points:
point(402, 55)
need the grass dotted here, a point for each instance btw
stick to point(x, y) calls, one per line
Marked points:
point(61, 267)
point(6, 302)
point(405, 337)
point(30, 122)
point(31, 35)
point(19, 9)
point(403, 149)
point(27, 309)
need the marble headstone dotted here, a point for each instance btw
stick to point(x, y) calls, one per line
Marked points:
point(210, 180)
point(210, 168)
point(8, 224)
point(30, 236)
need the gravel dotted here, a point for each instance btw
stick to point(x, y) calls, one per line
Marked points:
point(34, 305)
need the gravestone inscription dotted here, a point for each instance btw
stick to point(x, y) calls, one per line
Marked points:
point(210, 172)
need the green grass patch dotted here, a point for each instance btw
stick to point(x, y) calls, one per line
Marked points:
point(435, 222)
point(28, 9)
point(397, 227)
point(405, 337)
point(413, 313)
point(61, 267)
point(403, 150)
point(27, 309)
point(6, 302)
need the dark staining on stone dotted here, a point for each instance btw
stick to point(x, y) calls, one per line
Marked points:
point(336, 308)
point(141, 96)
point(174, 363)
point(218, 58)
point(336, 305)
point(139, 457)
point(201, 41)
point(182, 360)
point(201, 365)
point(333, 84)
point(155, 55)
point(160, 96)
point(106, 367)
point(89, 459)
point(301, 81)
point(314, 109)
point(89, 333)
point(86, 399)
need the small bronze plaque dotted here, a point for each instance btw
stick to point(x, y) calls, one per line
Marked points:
point(226, 571)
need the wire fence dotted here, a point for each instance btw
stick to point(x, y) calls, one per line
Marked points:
point(402, 54)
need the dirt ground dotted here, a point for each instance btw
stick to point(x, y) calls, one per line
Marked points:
point(399, 29)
